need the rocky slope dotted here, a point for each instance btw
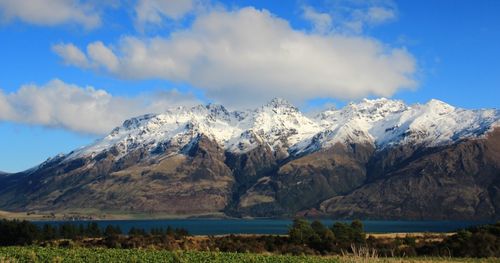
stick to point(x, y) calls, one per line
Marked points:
point(374, 159)
point(460, 181)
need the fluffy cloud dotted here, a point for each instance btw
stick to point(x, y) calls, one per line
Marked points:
point(322, 22)
point(359, 19)
point(246, 56)
point(85, 110)
point(153, 11)
point(50, 12)
point(73, 56)
point(102, 56)
point(353, 17)
point(378, 14)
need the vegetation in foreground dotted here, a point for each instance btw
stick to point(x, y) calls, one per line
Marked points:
point(40, 254)
point(51, 254)
point(304, 238)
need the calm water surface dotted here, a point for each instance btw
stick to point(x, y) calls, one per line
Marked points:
point(273, 226)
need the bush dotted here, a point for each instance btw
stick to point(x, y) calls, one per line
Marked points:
point(482, 241)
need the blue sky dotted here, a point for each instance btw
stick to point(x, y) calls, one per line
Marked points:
point(65, 79)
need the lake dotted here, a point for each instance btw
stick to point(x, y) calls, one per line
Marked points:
point(272, 226)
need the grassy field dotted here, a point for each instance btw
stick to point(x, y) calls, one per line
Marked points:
point(40, 254)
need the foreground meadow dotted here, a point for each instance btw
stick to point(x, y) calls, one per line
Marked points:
point(41, 254)
point(48, 254)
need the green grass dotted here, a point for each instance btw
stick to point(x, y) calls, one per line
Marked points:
point(40, 254)
point(43, 254)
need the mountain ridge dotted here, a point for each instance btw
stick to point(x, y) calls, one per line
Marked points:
point(276, 161)
point(235, 129)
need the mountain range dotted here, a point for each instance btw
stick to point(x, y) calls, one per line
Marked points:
point(376, 159)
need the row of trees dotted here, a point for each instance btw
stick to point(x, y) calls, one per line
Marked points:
point(479, 241)
point(26, 233)
point(303, 238)
point(323, 239)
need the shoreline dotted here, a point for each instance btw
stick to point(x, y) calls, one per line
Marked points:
point(78, 215)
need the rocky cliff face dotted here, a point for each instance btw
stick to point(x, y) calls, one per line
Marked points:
point(375, 159)
point(459, 181)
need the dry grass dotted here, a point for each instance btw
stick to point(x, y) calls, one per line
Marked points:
point(427, 237)
point(366, 255)
point(360, 254)
point(429, 260)
point(23, 215)
point(251, 199)
point(351, 259)
point(8, 260)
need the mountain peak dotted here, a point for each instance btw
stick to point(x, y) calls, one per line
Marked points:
point(136, 121)
point(280, 103)
point(438, 103)
point(380, 102)
point(217, 108)
point(376, 108)
point(439, 107)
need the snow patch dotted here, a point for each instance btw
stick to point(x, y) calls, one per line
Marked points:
point(280, 125)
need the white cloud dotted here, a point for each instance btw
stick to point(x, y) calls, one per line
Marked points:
point(379, 15)
point(73, 55)
point(102, 56)
point(85, 110)
point(322, 22)
point(154, 11)
point(50, 12)
point(353, 16)
point(99, 56)
point(244, 57)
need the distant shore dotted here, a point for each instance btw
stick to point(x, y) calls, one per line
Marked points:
point(97, 215)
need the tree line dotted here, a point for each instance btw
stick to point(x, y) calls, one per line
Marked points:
point(477, 241)
point(23, 233)
point(304, 237)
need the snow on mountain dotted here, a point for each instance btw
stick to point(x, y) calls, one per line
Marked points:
point(353, 123)
point(434, 123)
point(280, 125)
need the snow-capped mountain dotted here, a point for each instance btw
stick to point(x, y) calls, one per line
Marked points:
point(378, 159)
point(280, 125)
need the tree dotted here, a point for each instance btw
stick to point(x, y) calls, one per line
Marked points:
point(301, 232)
point(345, 234)
point(357, 232)
point(136, 232)
point(112, 231)
point(112, 236)
point(49, 232)
point(319, 228)
point(325, 240)
point(68, 231)
point(93, 230)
